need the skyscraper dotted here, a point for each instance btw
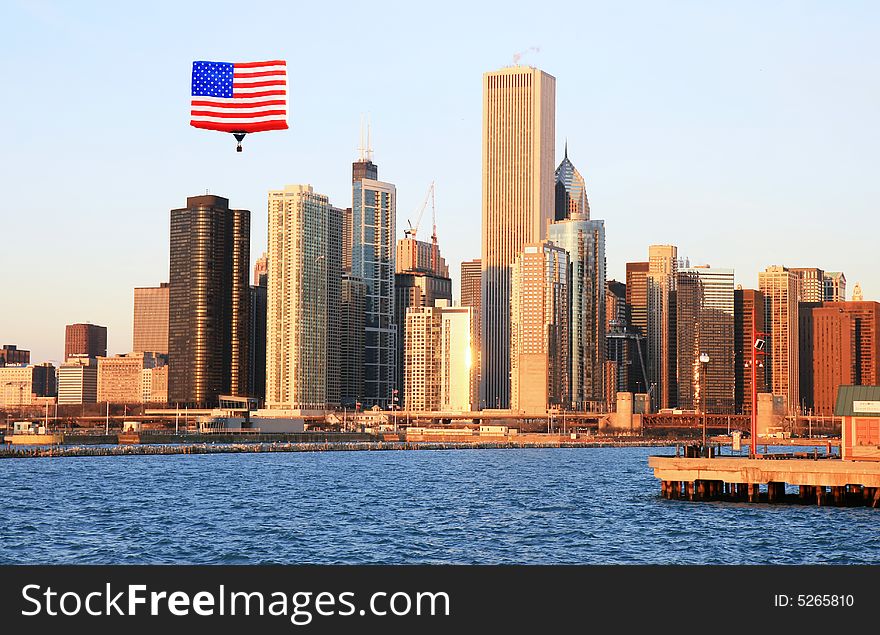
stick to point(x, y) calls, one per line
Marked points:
point(208, 301)
point(571, 191)
point(150, 332)
point(421, 278)
point(519, 130)
point(351, 340)
point(835, 286)
point(471, 293)
point(662, 269)
point(780, 288)
point(584, 240)
point(810, 283)
point(833, 362)
point(705, 326)
point(748, 310)
point(302, 300)
point(261, 270)
point(257, 349)
point(637, 307)
point(539, 366)
point(439, 358)
point(373, 260)
point(85, 339)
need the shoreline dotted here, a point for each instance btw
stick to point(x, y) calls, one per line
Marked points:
point(23, 452)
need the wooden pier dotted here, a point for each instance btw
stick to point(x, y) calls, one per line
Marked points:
point(826, 481)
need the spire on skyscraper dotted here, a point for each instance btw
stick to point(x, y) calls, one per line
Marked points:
point(571, 191)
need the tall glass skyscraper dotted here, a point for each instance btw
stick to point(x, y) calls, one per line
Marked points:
point(584, 240)
point(208, 302)
point(373, 213)
point(705, 326)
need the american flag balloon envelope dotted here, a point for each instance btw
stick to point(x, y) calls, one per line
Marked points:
point(239, 97)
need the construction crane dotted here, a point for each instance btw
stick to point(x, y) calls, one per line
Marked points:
point(413, 229)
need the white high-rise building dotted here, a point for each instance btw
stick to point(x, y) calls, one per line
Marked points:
point(519, 131)
point(302, 300)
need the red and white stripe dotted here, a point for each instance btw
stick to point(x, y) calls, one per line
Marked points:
point(258, 102)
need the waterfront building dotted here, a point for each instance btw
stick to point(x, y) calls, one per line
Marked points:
point(12, 355)
point(780, 288)
point(471, 295)
point(518, 193)
point(154, 384)
point(208, 301)
point(661, 278)
point(439, 358)
point(120, 378)
point(833, 363)
point(351, 340)
point(374, 205)
point(150, 330)
point(705, 326)
point(421, 278)
point(302, 366)
point(22, 385)
point(810, 284)
point(257, 347)
point(85, 339)
point(835, 286)
point(846, 349)
point(619, 343)
point(584, 240)
point(78, 380)
point(748, 309)
point(637, 310)
point(539, 329)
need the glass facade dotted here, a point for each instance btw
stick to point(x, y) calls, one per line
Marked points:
point(584, 240)
point(373, 260)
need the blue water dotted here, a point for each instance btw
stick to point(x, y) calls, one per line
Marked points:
point(532, 506)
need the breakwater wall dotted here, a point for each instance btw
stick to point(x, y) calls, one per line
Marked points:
point(282, 446)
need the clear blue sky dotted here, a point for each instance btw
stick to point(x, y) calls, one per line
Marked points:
point(746, 133)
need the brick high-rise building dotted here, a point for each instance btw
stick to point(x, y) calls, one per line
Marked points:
point(120, 378)
point(748, 312)
point(839, 358)
point(85, 339)
point(150, 332)
point(834, 356)
point(810, 283)
point(519, 134)
point(208, 302)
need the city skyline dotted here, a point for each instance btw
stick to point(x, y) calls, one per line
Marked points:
point(667, 144)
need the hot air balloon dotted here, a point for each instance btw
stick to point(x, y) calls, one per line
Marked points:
point(239, 97)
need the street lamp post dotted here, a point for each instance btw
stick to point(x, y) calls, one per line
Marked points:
point(704, 361)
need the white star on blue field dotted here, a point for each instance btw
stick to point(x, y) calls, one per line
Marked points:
point(212, 79)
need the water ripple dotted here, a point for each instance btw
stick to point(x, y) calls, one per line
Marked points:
point(591, 506)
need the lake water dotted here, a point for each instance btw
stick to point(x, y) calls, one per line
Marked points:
point(528, 506)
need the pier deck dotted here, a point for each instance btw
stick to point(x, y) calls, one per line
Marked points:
point(825, 481)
